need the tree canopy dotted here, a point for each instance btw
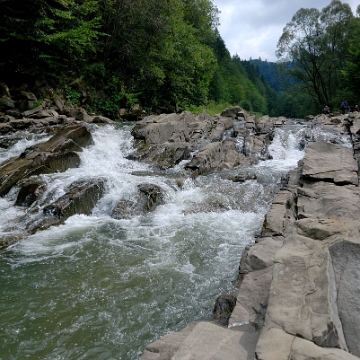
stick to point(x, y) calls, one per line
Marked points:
point(320, 46)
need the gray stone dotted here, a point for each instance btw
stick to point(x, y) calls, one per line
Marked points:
point(252, 299)
point(326, 161)
point(212, 343)
point(275, 344)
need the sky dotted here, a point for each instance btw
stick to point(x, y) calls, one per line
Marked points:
point(252, 28)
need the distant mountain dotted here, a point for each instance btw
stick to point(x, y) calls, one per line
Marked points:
point(268, 69)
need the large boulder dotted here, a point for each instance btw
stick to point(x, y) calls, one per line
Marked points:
point(80, 198)
point(57, 154)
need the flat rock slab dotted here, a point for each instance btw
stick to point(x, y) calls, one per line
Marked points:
point(324, 200)
point(276, 344)
point(327, 161)
point(211, 342)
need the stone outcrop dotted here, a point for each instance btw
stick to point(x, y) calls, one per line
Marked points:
point(299, 289)
point(208, 143)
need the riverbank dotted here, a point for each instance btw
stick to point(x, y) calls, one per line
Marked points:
point(299, 289)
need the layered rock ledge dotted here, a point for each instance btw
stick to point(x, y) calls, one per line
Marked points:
point(300, 281)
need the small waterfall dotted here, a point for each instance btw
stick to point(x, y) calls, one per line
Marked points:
point(99, 288)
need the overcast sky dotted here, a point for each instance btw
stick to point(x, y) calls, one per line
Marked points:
point(252, 28)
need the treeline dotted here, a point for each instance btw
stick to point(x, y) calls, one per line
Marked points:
point(165, 55)
point(320, 50)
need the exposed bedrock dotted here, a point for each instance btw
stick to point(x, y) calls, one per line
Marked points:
point(207, 142)
point(298, 296)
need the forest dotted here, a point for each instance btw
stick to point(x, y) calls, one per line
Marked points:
point(168, 56)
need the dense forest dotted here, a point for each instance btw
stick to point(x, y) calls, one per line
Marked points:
point(168, 55)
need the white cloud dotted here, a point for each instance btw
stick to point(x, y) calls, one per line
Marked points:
point(252, 28)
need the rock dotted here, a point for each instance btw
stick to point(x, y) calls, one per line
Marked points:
point(102, 120)
point(59, 103)
point(330, 162)
point(345, 257)
point(4, 90)
point(5, 128)
point(275, 344)
point(328, 200)
point(148, 197)
point(211, 341)
point(252, 299)
point(260, 255)
point(33, 111)
point(81, 198)
point(25, 100)
point(80, 114)
point(224, 306)
point(6, 103)
point(165, 347)
point(29, 193)
point(234, 112)
point(15, 113)
point(46, 114)
point(6, 118)
point(57, 154)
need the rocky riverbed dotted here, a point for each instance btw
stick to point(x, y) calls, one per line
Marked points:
point(298, 297)
point(298, 283)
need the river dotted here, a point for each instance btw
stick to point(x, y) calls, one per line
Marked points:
point(99, 288)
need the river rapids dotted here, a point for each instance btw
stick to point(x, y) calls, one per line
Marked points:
point(99, 288)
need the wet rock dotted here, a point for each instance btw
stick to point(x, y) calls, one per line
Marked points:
point(54, 155)
point(224, 306)
point(218, 142)
point(215, 155)
point(240, 177)
point(29, 193)
point(81, 198)
point(148, 197)
point(7, 240)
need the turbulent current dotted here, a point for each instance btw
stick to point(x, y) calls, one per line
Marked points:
point(99, 288)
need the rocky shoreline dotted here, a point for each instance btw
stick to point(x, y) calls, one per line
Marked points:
point(298, 297)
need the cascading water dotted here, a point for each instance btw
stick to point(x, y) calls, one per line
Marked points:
point(99, 288)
